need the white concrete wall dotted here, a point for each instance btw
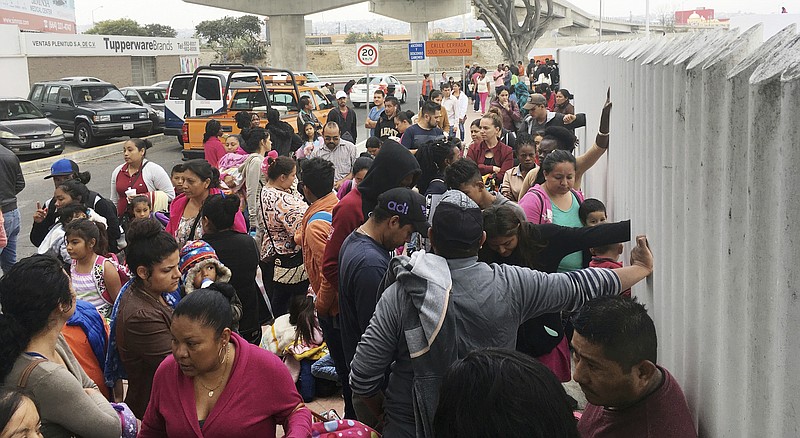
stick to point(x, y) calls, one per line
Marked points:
point(773, 23)
point(704, 158)
point(13, 64)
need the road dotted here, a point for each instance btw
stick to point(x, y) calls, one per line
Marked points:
point(166, 152)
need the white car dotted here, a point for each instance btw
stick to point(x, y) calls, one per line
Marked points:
point(313, 80)
point(359, 94)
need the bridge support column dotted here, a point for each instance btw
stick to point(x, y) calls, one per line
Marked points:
point(419, 34)
point(288, 41)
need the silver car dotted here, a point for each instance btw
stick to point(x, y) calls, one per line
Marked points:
point(151, 98)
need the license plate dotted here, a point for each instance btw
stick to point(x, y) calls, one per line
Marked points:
point(204, 111)
point(37, 145)
point(127, 126)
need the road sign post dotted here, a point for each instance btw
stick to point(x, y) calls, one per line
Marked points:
point(367, 56)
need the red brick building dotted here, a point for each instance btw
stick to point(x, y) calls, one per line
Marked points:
point(682, 17)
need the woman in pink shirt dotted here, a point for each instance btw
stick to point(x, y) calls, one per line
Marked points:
point(216, 384)
point(212, 145)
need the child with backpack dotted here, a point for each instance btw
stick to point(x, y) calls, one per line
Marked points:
point(141, 207)
point(296, 337)
point(96, 276)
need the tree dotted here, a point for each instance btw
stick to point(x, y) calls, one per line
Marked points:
point(228, 35)
point(515, 38)
point(122, 26)
point(160, 30)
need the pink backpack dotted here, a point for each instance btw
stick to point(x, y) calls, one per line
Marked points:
point(99, 280)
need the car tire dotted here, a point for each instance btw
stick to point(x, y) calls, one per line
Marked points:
point(357, 104)
point(403, 97)
point(83, 135)
point(180, 139)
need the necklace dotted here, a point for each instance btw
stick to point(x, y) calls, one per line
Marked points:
point(211, 390)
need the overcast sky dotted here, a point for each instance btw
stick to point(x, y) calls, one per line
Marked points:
point(182, 15)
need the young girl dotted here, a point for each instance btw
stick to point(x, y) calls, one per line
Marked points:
point(141, 207)
point(95, 278)
point(54, 242)
point(311, 140)
point(360, 168)
point(297, 338)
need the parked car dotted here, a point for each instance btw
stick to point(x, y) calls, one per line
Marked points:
point(312, 80)
point(90, 110)
point(151, 98)
point(388, 83)
point(81, 79)
point(163, 85)
point(26, 131)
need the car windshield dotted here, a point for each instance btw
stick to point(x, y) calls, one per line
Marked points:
point(19, 110)
point(310, 76)
point(100, 93)
point(248, 100)
point(373, 80)
point(152, 96)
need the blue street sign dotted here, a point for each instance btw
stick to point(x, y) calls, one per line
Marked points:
point(416, 51)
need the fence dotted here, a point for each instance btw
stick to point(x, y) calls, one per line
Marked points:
point(704, 157)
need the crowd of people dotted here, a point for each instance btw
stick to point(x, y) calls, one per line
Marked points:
point(219, 298)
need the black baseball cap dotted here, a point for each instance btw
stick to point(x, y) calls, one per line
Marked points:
point(457, 221)
point(408, 205)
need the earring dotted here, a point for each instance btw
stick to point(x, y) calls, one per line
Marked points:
point(225, 357)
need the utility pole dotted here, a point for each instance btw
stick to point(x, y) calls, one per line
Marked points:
point(600, 35)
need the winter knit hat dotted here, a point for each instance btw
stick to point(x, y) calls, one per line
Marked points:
point(196, 255)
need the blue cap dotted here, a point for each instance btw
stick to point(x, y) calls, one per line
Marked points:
point(63, 167)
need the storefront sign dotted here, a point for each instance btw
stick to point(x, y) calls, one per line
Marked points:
point(107, 45)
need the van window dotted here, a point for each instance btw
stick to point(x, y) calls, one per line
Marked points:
point(179, 88)
point(37, 93)
point(208, 89)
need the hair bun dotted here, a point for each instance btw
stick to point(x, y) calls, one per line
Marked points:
point(144, 228)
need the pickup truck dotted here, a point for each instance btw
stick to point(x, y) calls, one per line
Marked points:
point(277, 89)
point(90, 110)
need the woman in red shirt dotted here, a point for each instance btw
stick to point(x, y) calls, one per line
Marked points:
point(212, 145)
point(141, 175)
point(492, 155)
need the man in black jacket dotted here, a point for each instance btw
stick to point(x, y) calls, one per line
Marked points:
point(345, 117)
point(539, 117)
point(11, 183)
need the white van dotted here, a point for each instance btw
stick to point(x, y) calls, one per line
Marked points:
point(209, 90)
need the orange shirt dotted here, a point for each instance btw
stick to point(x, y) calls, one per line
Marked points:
point(79, 344)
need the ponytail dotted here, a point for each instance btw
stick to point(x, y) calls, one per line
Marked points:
point(301, 315)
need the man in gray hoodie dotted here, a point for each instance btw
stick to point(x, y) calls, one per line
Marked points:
point(438, 307)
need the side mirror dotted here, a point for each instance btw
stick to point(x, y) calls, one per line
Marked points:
point(66, 100)
point(48, 114)
point(136, 102)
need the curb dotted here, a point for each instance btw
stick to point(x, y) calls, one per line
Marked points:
point(81, 156)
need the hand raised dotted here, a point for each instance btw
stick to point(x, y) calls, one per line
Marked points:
point(641, 254)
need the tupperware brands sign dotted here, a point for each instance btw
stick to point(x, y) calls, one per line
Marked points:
point(108, 45)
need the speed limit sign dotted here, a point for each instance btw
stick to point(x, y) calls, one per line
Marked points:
point(367, 55)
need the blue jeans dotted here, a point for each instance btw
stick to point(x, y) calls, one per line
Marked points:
point(324, 368)
point(307, 384)
point(8, 255)
point(461, 130)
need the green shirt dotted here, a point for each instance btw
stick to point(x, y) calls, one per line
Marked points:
point(569, 218)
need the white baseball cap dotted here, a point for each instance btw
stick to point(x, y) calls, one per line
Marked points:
point(340, 94)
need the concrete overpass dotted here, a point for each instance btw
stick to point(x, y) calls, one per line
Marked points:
point(287, 26)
